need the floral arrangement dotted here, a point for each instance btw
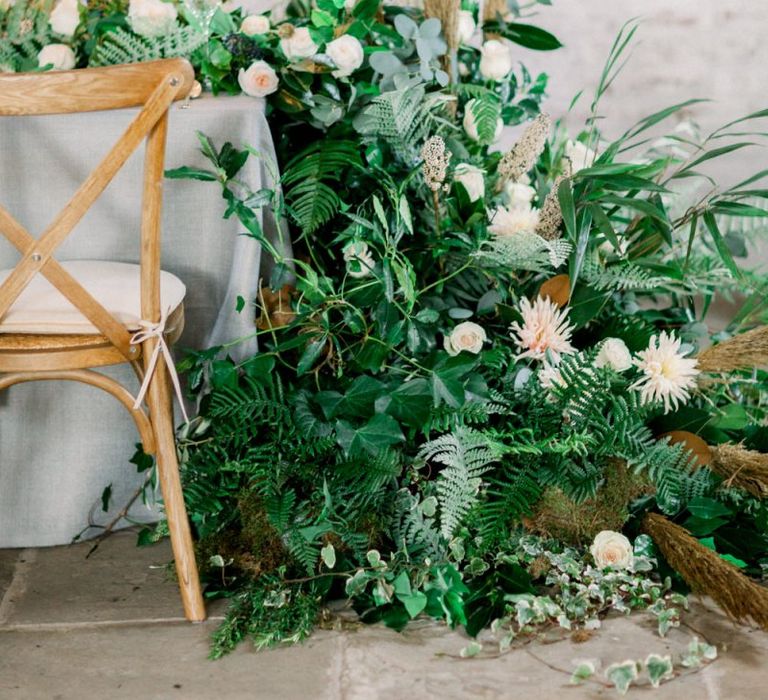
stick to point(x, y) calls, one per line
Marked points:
point(486, 392)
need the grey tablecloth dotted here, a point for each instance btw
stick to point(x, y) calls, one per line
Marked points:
point(61, 443)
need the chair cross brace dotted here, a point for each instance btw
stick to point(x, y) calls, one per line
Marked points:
point(37, 253)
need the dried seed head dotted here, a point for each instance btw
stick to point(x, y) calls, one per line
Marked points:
point(550, 216)
point(524, 154)
point(285, 31)
point(436, 159)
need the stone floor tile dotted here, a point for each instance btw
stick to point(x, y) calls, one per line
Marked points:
point(159, 662)
point(8, 559)
point(119, 581)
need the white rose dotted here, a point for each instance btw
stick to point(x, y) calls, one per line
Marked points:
point(259, 80)
point(509, 222)
point(466, 27)
point(466, 336)
point(65, 17)
point(496, 60)
point(60, 56)
point(255, 24)
point(151, 17)
point(578, 156)
point(299, 45)
point(470, 123)
point(614, 354)
point(518, 194)
point(347, 53)
point(472, 179)
point(611, 549)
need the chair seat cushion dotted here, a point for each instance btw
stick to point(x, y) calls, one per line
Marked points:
point(42, 309)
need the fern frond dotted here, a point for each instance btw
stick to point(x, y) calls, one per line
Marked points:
point(466, 455)
point(524, 251)
point(121, 46)
point(308, 178)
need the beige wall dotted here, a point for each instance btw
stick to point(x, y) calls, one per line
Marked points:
point(714, 49)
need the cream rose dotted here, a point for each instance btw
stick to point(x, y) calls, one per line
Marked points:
point(578, 156)
point(151, 17)
point(518, 194)
point(347, 53)
point(472, 179)
point(466, 336)
point(299, 45)
point(60, 56)
point(470, 123)
point(467, 26)
point(496, 60)
point(65, 17)
point(615, 354)
point(611, 549)
point(259, 80)
point(253, 25)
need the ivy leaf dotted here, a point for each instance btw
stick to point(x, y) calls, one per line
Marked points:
point(310, 355)
point(659, 668)
point(585, 670)
point(621, 675)
point(377, 434)
point(410, 402)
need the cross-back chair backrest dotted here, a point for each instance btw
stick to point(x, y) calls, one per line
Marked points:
point(154, 86)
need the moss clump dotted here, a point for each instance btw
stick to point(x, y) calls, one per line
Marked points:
point(559, 517)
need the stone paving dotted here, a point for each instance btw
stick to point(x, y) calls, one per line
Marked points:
point(111, 627)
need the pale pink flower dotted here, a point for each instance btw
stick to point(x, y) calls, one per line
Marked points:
point(668, 376)
point(550, 376)
point(545, 328)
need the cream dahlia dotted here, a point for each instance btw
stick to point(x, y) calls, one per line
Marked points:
point(668, 376)
point(545, 328)
point(509, 222)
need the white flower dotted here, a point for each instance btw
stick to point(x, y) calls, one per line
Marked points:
point(614, 353)
point(496, 60)
point(6, 5)
point(253, 25)
point(65, 17)
point(347, 53)
point(509, 222)
point(667, 375)
point(467, 26)
point(151, 17)
point(299, 45)
point(611, 549)
point(259, 80)
point(349, 5)
point(472, 179)
point(60, 56)
point(466, 336)
point(518, 194)
point(578, 156)
point(359, 259)
point(545, 328)
point(470, 123)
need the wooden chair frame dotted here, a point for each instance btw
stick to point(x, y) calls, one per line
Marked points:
point(153, 86)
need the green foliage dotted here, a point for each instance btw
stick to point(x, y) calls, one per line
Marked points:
point(24, 31)
point(122, 46)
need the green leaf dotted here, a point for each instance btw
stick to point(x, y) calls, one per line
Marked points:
point(584, 671)
point(361, 395)
point(328, 555)
point(526, 35)
point(378, 433)
point(706, 508)
point(722, 247)
point(621, 675)
point(187, 173)
point(106, 497)
point(411, 402)
point(658, 668)
point(310, 354)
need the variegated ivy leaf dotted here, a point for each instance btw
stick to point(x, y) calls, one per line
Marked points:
point(659, 668)
point(698, 653)
point(472, 649)
point(622, 674)
point(585, 670)
point(328, 554)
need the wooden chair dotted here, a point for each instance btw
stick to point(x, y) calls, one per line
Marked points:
point(60, 320)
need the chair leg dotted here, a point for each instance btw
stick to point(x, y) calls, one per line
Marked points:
point(161, 415)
